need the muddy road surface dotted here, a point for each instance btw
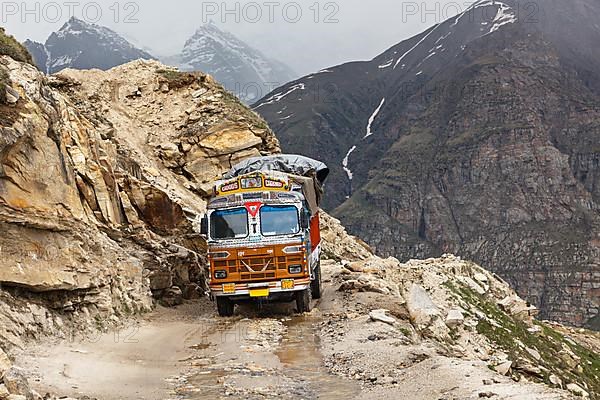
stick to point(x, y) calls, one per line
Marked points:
point(190, 353)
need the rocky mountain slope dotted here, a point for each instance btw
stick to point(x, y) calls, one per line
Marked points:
point(102, 174)
point(478, 137)
point(82, 45)
point(443, 328)
point(239, 67)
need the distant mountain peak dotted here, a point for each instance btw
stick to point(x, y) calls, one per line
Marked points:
point(238, 66)
point(82, 45)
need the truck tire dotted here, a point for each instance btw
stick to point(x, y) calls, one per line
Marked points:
point(316, 286)
point(303, 300)
point(225, 306)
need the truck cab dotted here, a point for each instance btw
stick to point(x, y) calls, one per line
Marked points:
point(263, 236)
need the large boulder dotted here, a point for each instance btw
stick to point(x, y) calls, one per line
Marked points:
point(424, 314)
point(16, 382)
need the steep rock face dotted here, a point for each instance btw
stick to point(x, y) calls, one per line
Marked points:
point(479, 137)
point(81, 45)
point(101, 177)
point(239, 67)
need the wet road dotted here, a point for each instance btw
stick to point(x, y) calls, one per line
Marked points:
point(267, 354)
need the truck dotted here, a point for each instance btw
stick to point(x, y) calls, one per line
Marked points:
point(263, 233)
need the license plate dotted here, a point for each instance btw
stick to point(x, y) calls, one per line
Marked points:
point(287, 284)
point(259, 292)
point(229, 288)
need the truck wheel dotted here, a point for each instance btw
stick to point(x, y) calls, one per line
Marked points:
point(225, 306)
point(316, 286)
point(303, 300)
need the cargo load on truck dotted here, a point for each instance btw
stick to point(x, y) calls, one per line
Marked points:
point(310, 174)
point(262, 228)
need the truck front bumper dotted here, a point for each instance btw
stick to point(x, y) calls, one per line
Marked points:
point(243, 290)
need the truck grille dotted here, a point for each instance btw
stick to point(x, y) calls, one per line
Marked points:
point(251, 268)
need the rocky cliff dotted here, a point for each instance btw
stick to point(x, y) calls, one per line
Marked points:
point(102, 174)
point(478, 137)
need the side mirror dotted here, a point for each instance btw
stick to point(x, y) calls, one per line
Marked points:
point(204, 226)
point(304, 220)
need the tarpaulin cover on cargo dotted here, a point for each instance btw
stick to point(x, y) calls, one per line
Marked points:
point(298, 167)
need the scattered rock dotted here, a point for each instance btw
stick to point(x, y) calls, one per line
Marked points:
point(517, 307)
point(192, 292)
point(380, 315)
point(482, 278)
point(504, 368)
point(4, 393)
point(161, 279)
point(555, 380)
point(420, 306)
point(455, 318)
point(12, 96)
point(5, 362)
point(172, 297)
point(199, 93)
point(424, 314)
point(476, 287)
point(534, 353)
point(16, 397)
point(578, 390)
point(15, 381)
point(527, 367)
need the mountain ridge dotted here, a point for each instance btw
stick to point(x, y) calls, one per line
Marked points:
point(241, 68)
point(81, 45)
point(484, 120)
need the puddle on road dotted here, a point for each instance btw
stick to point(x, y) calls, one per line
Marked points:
point(300, 353)
point(292, 369)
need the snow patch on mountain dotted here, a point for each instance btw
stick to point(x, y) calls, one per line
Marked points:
point(372, 119)
point(416, 45)
point(504, 16)
point(386, 64)
point(345, 162)
point(278, 96)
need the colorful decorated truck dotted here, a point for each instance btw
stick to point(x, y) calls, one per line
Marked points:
point(262, 229)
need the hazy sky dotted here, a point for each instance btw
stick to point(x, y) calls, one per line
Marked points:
point(308, 35)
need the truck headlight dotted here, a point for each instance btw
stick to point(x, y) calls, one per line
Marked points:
point(295, 269)
point(219, 255)
point(220, 274)
point(293, 249)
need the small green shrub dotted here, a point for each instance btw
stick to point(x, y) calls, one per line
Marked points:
point(9, 46)
point(4, 80)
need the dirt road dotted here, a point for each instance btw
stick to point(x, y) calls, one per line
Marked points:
point(189, 353)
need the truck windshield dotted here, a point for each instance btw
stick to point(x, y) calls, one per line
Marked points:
point(279, 220)
point(229, 224)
